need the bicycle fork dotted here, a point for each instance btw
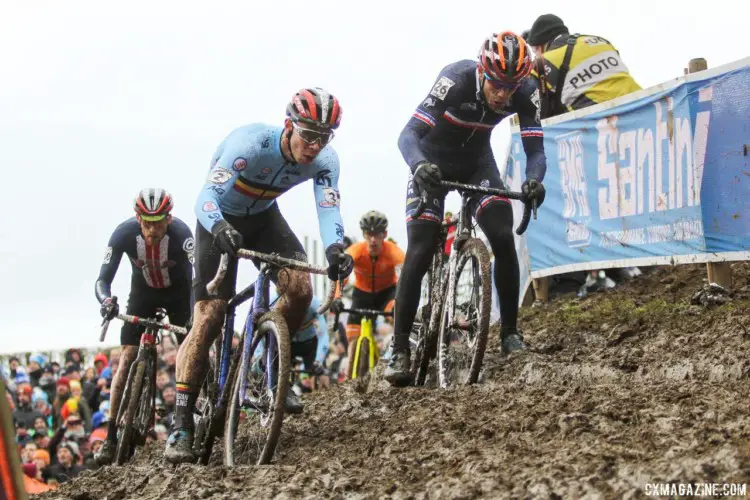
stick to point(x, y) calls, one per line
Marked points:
point(364, 336)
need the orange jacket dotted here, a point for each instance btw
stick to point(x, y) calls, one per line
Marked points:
point(375, 276)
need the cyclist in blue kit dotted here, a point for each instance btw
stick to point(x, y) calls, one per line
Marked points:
point(237, 209)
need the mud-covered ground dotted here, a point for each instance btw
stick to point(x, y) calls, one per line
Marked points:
point(622, 389)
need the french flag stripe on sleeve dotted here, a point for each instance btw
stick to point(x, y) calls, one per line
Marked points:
point(424, 117)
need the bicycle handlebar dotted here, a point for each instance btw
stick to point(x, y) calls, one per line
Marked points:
point(297, 265)
point(367, 312)
point(512, 195)
point(148, 322)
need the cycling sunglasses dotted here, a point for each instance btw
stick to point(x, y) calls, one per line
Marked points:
point(311, 136)
point(500, 84)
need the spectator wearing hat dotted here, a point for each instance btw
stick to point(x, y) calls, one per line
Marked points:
point(575, 71)
point(84, 410)
point(47, 382)
point(74, 358)
point(100, 362)
point(35, 484)
point(63, 394)
point(42, 406)
point(99, 432)
point(15, 368)
point(67, 466)
point(96, 440)
point(71, 372)
point(36, 362)
point(24, 411)
point(41, 459)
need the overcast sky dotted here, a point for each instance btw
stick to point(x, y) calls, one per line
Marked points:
point(98, 100)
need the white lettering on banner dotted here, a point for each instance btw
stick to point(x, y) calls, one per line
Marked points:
point(576, 207)
point(628, 160)
point(606, 142)
point(681, 230)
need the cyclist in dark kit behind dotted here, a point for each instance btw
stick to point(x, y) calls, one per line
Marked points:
point(448, 138)
point(160, 249)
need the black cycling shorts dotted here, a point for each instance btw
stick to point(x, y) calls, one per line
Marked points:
point(305, 350)
point(266, 232)
point(481, 170)
point(364, 300)
point(143, 303)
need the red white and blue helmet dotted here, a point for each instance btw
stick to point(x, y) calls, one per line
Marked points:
point(315, 106)
point(153, 204)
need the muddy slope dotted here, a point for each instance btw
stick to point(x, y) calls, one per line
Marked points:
point(622, 388)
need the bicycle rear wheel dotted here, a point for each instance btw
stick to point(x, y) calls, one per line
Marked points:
point(265, 405)
point(131, 398)
point(466, 319)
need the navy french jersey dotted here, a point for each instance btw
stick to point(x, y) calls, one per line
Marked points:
point(454, 119)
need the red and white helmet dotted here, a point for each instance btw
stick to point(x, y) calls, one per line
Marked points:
point(153, 204)
point(505, 57)
point(315, 106)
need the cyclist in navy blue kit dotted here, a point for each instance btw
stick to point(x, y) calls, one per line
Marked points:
point(237, 209)
point(160, 249)
point(448, 138)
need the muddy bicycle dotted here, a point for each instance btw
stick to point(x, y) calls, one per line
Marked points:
point(454, 322)
point(255, 378)
point(136, 416)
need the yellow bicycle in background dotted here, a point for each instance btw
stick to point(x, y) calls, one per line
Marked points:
point(367, 352)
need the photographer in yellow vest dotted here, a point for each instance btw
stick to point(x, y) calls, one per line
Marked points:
point(575, 71)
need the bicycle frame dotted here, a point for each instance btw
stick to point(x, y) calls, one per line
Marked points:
point(258, 307)
point(366, 335)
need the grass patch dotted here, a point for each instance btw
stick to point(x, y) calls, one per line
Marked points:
point(605, 309)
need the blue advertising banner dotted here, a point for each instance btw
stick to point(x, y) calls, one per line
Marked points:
point(661, 176)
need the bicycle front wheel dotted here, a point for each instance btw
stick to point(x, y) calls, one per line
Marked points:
point(363, 365)
point(131, 398)
point(466, 318)
point(144, 418)
point(266, 375)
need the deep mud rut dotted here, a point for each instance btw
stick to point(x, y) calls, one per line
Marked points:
point(622, 388)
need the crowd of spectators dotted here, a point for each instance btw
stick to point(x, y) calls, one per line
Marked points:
point(61, 408)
